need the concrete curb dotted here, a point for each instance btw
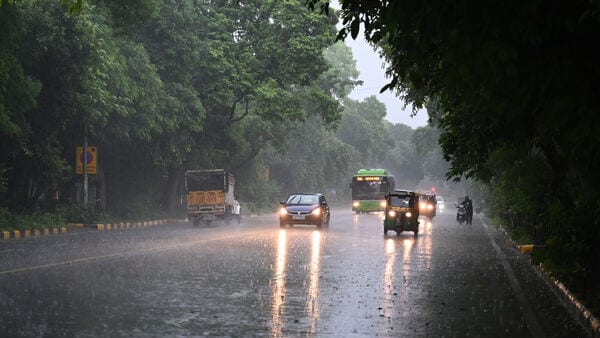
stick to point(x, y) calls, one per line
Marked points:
point(585, 316)
point(18, 234)
point(124, 225)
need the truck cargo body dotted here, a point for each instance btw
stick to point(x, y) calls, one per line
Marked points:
point(210, 195)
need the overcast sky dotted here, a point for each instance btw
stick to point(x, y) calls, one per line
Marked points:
point(373, 75)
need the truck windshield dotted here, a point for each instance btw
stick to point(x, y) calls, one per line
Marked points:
point(200, 182)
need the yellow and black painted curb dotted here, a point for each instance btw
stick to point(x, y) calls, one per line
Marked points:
point(585, 316)
point(528, 248)
point(119, 225)
point(17, 234)
point(123, 225)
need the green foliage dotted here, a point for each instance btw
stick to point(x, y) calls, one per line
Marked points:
point(362, 128)
point(6, 219)
point(342, 74)
point(11, 221)
point(78, 213)
point(513, 88)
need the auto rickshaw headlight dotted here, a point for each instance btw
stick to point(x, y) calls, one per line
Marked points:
point(282, 211)
point(316, 212)
point(392, 213)
point(408, 214)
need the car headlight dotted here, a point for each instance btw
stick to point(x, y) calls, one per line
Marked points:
point(392, 213)
point(355, 204)
point(316, 212)
point(383, 204)
point(408, 214)
point(283, 211)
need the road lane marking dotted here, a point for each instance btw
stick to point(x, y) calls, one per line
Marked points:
point(119, 254)
point(530, 318)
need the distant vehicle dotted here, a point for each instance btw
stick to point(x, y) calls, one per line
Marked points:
point(369, 187)
point(402, 212)
point(304, 208)
point(441, 203)
point(210, 196)
point(427, 205)
point(461, 213)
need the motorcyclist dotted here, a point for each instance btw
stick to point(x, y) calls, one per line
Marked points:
point(468, 204)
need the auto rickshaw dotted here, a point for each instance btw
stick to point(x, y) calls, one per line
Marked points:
point(401, 212)
point(427, 205)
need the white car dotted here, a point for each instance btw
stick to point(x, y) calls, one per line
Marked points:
point(440, 202)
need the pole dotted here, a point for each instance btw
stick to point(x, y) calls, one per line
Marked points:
point(85, 175)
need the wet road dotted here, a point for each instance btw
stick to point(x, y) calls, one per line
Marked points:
point(255, 279)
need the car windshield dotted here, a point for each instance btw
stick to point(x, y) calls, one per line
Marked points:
point(399, 201)
point(302, 199)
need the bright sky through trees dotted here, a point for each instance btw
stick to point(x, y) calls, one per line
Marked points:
point(373, 75)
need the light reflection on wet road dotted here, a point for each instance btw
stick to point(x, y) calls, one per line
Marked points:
point(256, 279)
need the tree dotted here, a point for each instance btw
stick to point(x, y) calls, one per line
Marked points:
point(362, 127)
point(18, 93)
point(509, 80)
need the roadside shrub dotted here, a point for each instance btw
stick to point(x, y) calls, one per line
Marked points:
point(10, 221)
point(6, 220)
point(77, 213)
point(38, 221)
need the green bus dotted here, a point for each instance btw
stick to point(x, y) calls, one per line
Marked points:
point(369, 187)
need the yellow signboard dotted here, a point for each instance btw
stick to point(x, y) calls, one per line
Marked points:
point(91, 157)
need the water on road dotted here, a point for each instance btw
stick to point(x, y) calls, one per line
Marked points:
point(257, 279)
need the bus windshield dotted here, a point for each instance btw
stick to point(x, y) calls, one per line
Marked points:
point(367, 190)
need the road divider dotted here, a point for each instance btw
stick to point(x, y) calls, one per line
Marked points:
point(18, 234)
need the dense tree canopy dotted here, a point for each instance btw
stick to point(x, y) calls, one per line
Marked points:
point(160, 87)
point(254, 87)
point(514, 87)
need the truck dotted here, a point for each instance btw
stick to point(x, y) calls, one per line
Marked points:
point(210, 196)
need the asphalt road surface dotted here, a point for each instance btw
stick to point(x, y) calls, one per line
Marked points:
point(255, 279)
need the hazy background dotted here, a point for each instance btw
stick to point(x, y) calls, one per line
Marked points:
point(372, 74)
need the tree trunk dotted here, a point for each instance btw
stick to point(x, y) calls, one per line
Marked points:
point(101, 189)
point(174, 190)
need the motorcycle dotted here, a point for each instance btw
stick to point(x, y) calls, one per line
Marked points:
point(461, 214)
